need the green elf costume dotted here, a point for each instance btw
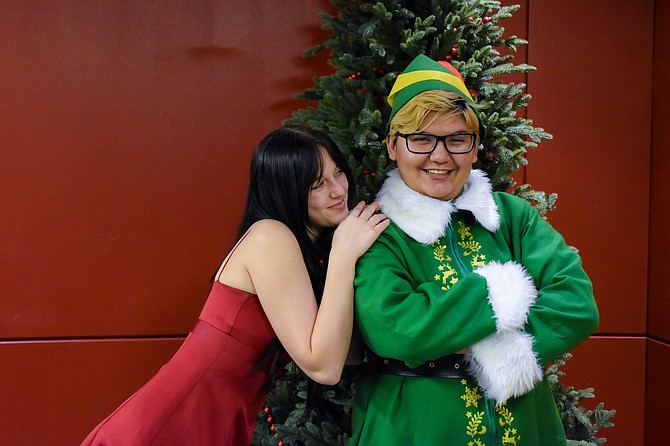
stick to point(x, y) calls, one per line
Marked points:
point(482, 273)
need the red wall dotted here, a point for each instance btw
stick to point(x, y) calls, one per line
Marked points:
point(658, 310)
point(126, 130)
point(592, 91)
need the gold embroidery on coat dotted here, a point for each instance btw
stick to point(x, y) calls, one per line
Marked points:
point(472, 397)
point(447, 274)
point(506, 419)
point(471, 247)
point(474, 425)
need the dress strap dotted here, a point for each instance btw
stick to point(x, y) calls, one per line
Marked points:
point(230, 254)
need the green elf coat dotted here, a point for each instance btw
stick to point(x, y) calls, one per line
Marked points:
point(486, 272)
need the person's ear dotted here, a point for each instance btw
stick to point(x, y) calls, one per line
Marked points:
point(391, 147)
point(475, 151)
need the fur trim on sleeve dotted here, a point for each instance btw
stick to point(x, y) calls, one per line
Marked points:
point(511, 293)
point(505, 365)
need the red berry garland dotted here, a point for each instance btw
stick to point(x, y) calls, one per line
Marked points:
point(270, 420)
point(357, 74)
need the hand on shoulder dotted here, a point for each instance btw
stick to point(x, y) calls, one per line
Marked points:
point(356, 233)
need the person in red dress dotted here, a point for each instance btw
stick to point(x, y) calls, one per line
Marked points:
point(285, 288)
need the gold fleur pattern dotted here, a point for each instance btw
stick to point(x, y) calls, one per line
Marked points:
point(470, 246)
point(447, 275)
point(474, 429)
point(510, 434)
point(471, 396)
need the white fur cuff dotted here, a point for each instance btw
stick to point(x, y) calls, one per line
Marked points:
point(511, 293)
point(505, 365)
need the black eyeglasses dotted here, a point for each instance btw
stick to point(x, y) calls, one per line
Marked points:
point(456, 143)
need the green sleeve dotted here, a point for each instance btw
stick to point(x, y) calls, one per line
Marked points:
point(404, 314)
point(565, 312)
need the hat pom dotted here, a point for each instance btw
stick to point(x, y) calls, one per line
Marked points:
point(451, 68)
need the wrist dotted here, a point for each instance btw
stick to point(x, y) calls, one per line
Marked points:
point(341, 254)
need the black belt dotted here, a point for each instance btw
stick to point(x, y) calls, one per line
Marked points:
point(450, 366)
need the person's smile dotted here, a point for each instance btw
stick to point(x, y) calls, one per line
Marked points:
point(438, 174)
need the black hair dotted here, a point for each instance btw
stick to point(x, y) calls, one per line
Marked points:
point(284, 167)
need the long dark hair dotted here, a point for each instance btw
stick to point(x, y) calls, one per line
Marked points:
point(285, 165)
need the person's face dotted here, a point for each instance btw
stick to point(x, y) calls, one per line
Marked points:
point(327, 200)
point(438, 174)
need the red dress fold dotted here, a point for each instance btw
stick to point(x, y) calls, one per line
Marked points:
point(206, 394)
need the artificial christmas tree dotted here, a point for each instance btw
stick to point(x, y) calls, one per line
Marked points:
point(370, 44)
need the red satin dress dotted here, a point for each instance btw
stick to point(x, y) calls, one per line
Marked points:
point(206, 394)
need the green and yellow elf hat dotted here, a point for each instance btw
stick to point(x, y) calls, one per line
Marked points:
point(424, 74)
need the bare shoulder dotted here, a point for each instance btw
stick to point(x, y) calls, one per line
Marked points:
point(269, 235)
point(271, 252)
point(267, 230)
point(268, 246)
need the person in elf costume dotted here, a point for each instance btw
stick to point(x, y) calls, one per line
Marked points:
point(466, 295)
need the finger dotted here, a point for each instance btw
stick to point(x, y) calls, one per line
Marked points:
point(356, 210)
point(370, 210)
point(378, 218)
point(382, 223)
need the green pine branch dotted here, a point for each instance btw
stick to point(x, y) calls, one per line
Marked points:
point(372, 42)
point(369, 44)
point(581, 425)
